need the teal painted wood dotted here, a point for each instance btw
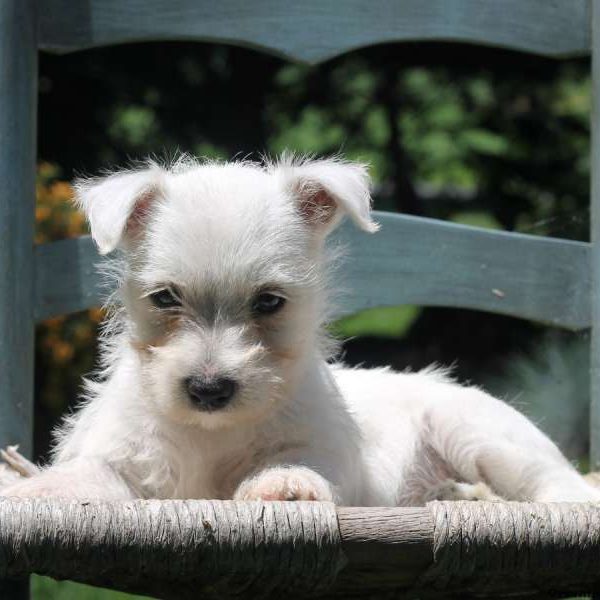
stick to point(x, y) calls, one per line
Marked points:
point(66, 278)
point(420, 261)
point(595, 253)
point(410, 261)
point(312, 31)
point(18, 81)
point(18, 87)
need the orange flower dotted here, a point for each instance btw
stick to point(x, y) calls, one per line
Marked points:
point(96, 314)
point(62, 351)
point(42, 213)
point(55, 323)
point(61, 190)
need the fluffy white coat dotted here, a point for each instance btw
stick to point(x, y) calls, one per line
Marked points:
point(216, 237)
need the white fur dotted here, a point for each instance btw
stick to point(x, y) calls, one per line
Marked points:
point(297, 428)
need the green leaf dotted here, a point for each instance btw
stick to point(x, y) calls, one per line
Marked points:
point(388, 321)
point(45, 588)
point(476, 219)
point(485, 142)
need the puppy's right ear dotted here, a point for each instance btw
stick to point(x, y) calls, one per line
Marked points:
point(116, 205)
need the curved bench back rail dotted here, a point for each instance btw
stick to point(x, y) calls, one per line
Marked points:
point(410, 260)
point(316, 30)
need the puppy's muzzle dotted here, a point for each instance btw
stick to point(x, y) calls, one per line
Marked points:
point(210, 395)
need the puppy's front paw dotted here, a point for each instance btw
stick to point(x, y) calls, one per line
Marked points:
point(285, 483)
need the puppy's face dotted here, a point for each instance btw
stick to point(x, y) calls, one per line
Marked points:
point(223, 284)
point(223, 294)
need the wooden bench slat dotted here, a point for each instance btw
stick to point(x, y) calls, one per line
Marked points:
point(419, 261)
point(18, 94)
point(595, 249)
point(410, 261)
point(312, 31)
point(66, 277)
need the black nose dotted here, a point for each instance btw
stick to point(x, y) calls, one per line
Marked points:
point(210, 395)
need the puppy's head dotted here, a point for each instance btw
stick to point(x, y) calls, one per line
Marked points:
point(223, 275)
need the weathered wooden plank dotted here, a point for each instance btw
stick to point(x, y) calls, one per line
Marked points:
point(420, 261)
point(66, 277)
point(18, 80)
point(189, 549)
point(595, 250)
point(410, 261)
point(18, 87)
point(316, 30)
point(376, 537)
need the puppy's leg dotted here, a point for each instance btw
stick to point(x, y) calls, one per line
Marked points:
point(483, 439)
point(520, 474)
point(285, 483)
point(84, 478)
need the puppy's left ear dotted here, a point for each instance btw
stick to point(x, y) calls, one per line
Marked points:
point(326, 190)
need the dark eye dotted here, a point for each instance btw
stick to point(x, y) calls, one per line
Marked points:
point(164, 299)
point(267, 304)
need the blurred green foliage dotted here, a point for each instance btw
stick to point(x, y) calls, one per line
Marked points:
point(388, 321)
point(444, 128)
point(44, 588)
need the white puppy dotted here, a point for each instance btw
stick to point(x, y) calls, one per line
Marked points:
point(215, 382)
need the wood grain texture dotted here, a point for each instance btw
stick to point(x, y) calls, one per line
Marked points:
point(176, 549)
point(410, 260)
point(66, 277)
point(385, 547)
point(595, 251)
point(517, 547)
point(420, 261)
point(188, 549)
point(18, 81)
point(316, 30)
point(18, 89)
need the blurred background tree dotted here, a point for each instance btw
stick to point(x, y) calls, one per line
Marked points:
point(478, 136)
